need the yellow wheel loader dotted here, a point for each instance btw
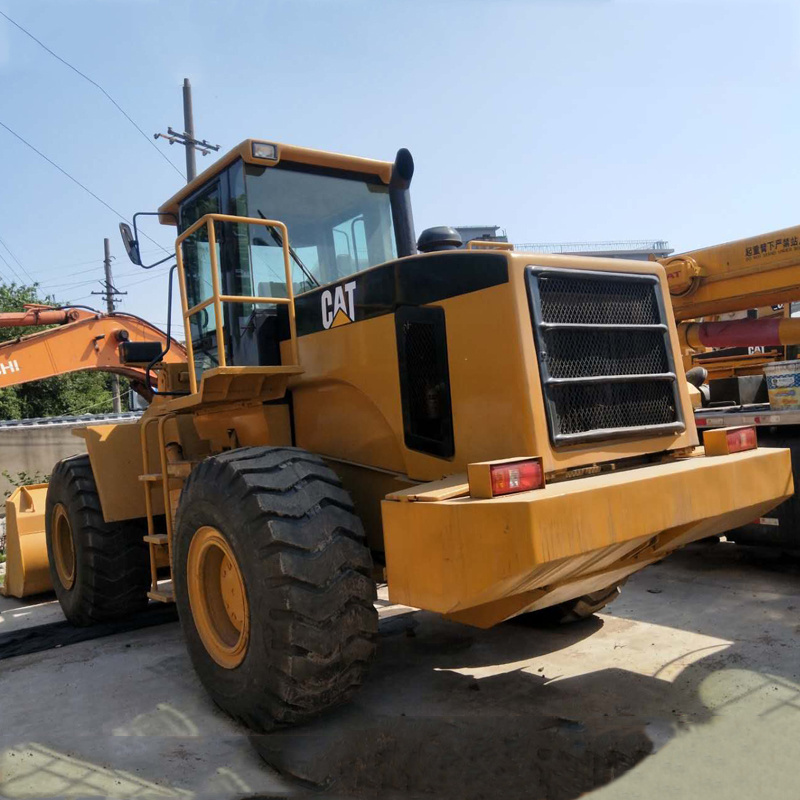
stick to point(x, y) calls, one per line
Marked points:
point(494, 432)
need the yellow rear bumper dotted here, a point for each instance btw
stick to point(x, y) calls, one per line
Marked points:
point(483, 561)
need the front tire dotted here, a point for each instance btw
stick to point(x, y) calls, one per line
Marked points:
point(273, 585)
point(100, 571)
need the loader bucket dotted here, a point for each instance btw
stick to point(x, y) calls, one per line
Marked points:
point(27, 570)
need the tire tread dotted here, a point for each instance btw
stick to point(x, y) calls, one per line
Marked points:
point(113, 572)
point(314, 593)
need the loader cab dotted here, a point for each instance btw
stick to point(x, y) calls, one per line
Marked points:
point(343, 215)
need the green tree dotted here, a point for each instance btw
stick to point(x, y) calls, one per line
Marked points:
point(74, 393)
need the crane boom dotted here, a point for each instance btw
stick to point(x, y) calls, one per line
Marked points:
point(747, 273)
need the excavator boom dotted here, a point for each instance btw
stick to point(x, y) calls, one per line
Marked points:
point(85, 341)
point(38, 314)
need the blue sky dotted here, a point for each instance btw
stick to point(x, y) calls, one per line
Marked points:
point(558, 121)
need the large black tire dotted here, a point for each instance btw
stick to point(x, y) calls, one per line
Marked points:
point(306, 576)
point(574, 610)
point(110, 572)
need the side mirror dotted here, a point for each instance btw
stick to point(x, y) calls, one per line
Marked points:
point(131, 245)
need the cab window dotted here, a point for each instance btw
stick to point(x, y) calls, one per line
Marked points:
point(197, 266)
point(337, 226)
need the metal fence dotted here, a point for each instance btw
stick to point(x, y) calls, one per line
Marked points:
point(75, 421)
point(645, 245)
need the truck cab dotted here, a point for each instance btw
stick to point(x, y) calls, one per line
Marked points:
point(343, 214)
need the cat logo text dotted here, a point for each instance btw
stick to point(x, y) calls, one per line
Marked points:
point(339, 305)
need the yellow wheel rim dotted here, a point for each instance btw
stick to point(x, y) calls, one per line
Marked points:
point(217, 597)
point(63, 546)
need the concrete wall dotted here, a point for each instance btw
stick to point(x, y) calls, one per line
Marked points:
point(35, 450)
point(38, 445)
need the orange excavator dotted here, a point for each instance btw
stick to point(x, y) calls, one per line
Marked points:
point(83, 339)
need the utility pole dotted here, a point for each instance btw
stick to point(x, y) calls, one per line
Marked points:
point(188, 126)
point(187, 137)
point(110, 293)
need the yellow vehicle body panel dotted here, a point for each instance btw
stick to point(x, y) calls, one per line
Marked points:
point(350, 373)
point(482, 561)
point(116, 458)
point(27, 570)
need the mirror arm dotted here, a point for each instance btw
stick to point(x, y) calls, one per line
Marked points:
point(135, 242)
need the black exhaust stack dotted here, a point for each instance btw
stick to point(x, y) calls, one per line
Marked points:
point(399, 196)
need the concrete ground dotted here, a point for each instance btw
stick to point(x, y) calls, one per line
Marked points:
point(688, 687)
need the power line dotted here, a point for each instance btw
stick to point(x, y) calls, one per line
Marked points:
point(144, 280)
point(5, 277)
point(97, 86)
point(70, 275)
point(99, 403)
point(67, 266)
point(76, 181)
point(17, 260)
point(94, 261)
point(128, 285)
point(72, 284)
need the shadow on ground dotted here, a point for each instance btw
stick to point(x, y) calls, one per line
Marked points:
point(451, 711)
point(419, 728)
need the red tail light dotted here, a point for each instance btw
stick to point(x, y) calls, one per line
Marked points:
point(741, 439)
point(516, 476)
point(489, 479)
point(724, 441)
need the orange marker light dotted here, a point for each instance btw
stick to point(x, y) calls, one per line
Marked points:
point(517, 476)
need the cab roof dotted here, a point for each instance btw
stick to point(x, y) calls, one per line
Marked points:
point(284, 152)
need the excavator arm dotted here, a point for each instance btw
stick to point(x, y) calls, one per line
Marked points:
point(84, 340)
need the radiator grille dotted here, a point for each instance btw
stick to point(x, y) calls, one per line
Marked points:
point(586, 301)
point(604, 354)
point(576, 353)
point(593, 406)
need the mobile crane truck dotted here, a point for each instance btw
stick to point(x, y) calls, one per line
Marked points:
point(497, 433)
point(757, 272)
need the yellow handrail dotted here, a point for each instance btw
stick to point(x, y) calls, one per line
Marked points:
point(218, 299)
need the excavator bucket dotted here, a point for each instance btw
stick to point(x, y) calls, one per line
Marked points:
point(27, 570)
